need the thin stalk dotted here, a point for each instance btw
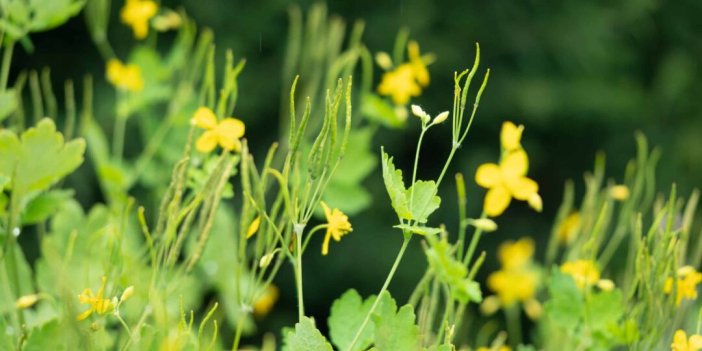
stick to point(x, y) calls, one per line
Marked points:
point(405, 243)
point(237, 334)
point(6, 62)
point(477, 234)
point(118, 137)
point(514, 325)
point(298, 275)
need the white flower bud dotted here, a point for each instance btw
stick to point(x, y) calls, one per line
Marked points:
point(441, 117)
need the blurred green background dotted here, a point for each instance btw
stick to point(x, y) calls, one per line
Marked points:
point(582, 76)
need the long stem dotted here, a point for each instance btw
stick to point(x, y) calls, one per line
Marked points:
point(405, 243)
point(514, 325)
point(454, 147)
point(237, 334)
point(6, 61)
point(298, 275)
point(474, 242)
point(118, 137)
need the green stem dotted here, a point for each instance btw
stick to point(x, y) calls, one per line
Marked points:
point(118, 137)
point(237, 334)
point(514, 325)
point(298, 273)
point(477, 234)
point(6, 61)
point(405, 243)
point(454, 147)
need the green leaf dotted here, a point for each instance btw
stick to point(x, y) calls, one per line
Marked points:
point(452, 271)
point(423, 200)
point(395, 187)
point(46, 337)
point(39, 160)
point(605, 308)
point(43, 206)
point(395, 330)
point(306, 337)
point(566, 305)
point(347, 315)
point(416, 229)
point(48, 14)
point(379, 110)
point(8, 103)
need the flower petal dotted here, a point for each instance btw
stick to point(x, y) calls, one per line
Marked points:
point(695, 342)
point(488, 175)
point(497, 200)
point(679, 340)
point(231, 127)
point(206, 142)
point(204, 118)
point(515, 164)
point(522, 188)
point(510, 136)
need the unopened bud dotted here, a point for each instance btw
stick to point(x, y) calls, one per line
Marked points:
point(441, 117)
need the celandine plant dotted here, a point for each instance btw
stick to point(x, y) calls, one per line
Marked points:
point(186, 259)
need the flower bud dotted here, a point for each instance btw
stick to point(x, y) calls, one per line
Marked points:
point(441, 117)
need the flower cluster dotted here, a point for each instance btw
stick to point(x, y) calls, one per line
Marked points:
point(136, 14)
point(682, 343)
point(516, 281)
point(406, 80)
point(508, 179)
point(685, 284)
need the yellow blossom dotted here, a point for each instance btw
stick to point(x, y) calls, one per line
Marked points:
point(687, 281)
point(516, 255)
point(682, 343)
point(124, 77)
point(400, 84)
point(136, 14)
point(264, 304)
point(511, 136)
point(419, 67)
point(568, 228)
point(253, 227)
point(619, 192)
point(338, 225)
point(97, 303)
point(513, 285)
point(584, 272)
point(27, 301)
point(226, 133)
point(506, 181)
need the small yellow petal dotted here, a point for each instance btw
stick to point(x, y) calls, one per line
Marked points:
point(325, 244)
point(488, 175)
point(497, 200)
point(536, 202)
point(204, 118)
point(619, 192)
point(510, 136)
point(515, 164)
point(522, 188)
point(695, 342)
point(206, 142)
point(232, 128)
point(84, 315)
point(253, 227)
point(679, 341)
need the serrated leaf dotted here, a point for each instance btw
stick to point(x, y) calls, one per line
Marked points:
point(395, 187)
point(306, 337)
point(422, 200)
point(43, 206)
point(40, 160)
point(416, 229)
point(605, 308)
point(8, 103)
point(347, 315)
point(566, 305)
point(395, 331)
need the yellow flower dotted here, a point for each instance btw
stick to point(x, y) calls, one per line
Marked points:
point(225, 133)
point(97, 303)
point(513, 285)
point(511, 136)
point(688, 279)
point(264, 304)
point(516, 255)
point(569, 228)
point(419, 68)
point(400, 84)
point(505, 181)
point(124, 77)
point(584, 272)
point(338, 225)
point(682, 343)
point(136, 14)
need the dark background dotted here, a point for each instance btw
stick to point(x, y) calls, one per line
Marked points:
point(582, 76)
